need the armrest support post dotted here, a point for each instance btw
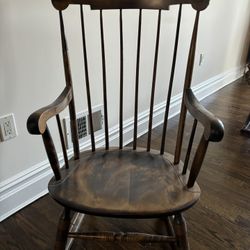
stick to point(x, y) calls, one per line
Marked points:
point(37, 124)
point(197, 162)
point(213, 131)
point(51, 153)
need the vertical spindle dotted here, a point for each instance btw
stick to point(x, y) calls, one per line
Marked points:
point(190, 144)
point(154, 81)
point(62, 141)
point(188, 80)
point(68, 80)
point(197, 162)
point(51, 153)
point(137, 80)
point(87, 80)
point(165, 124)
point(121, 83)
point(104, 84)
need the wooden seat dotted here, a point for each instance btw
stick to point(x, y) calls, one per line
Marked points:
point(123, 183)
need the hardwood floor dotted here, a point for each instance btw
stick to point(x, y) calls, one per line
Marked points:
point(220, 220)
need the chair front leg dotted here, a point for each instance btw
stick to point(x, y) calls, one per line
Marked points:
point(170, 230)
point(180, 228)
point(62, 230)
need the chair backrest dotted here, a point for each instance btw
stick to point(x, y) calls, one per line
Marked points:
point(160, 5)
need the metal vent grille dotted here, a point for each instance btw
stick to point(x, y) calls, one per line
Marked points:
point(82, 121)
point(82, 127)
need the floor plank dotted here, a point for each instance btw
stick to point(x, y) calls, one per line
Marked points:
point(220, 220)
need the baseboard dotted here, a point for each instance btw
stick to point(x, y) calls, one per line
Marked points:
point(31, 184)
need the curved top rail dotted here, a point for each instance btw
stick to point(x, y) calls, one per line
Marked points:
point(131, 4)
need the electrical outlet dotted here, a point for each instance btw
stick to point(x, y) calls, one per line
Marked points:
point(7, 127)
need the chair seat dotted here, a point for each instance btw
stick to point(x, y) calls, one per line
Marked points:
point(123, 183)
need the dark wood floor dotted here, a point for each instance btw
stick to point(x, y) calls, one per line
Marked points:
point(220, 220)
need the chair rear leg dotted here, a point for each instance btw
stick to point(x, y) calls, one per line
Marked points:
point(180, 228)
point(62, 230)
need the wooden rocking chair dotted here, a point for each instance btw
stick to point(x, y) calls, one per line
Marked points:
point(126, 182)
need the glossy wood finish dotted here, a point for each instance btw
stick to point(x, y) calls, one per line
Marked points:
point(165, 123)
point(86, 70)
point(180, 228)
point(62, 230)
point(121, 82)
point(65, 156)
point(68, 80)
point(197, 162)
point(122, 182)
point(215, 222)
point(106, 126)
point(130, 4)
point(213, 127)
point(127, 237)
point(190, 145)
point(51, 153)
point(151, 109)
point(187, 84)
point(137, 79)
point(92, 187)
point(37, 122)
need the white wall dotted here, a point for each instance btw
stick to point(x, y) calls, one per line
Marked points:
point(31, 72)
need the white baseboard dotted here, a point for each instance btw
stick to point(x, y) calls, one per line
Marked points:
point(31, 184)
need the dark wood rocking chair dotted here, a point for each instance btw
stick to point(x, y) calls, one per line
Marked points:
point(127, 182)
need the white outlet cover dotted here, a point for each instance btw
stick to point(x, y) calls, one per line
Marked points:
point(8, 128)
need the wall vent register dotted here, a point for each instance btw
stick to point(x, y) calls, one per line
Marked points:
point(83, 125)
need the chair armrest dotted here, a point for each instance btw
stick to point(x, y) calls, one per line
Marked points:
point(36, 123)
point(213, 127)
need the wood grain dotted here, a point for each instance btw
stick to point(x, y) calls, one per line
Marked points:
point(213, 127)
point(36, 123)
point(124, 183)
point(216, 222)
point(187, 84)
point(130, 4)
point(128, 183)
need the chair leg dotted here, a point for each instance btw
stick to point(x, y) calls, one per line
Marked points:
point(62, 230)
point(180, 228)
point(170, 230)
